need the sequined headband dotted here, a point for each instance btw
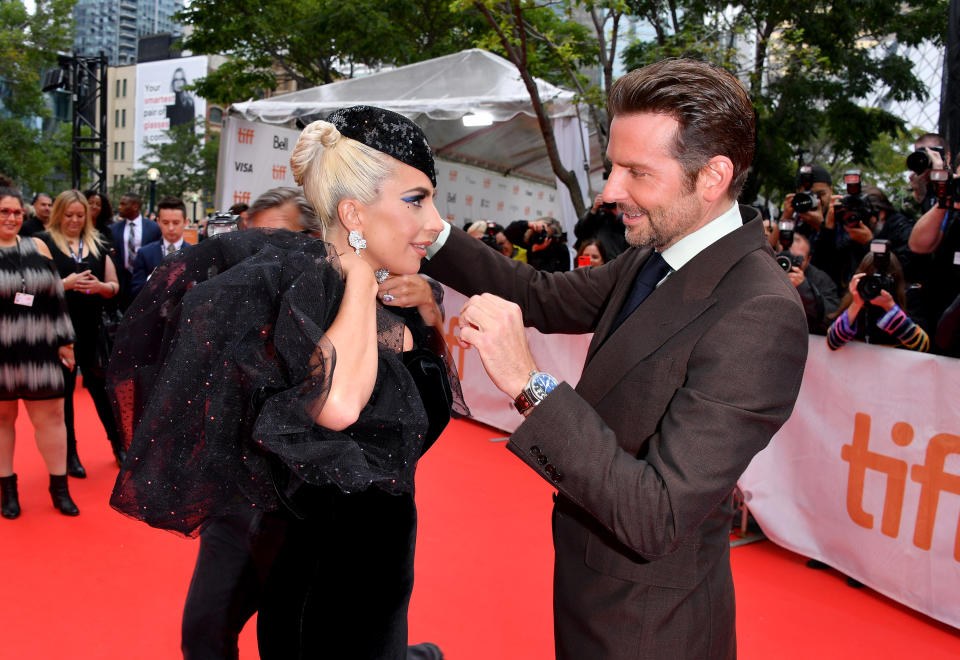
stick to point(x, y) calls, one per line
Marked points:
point(387, 132)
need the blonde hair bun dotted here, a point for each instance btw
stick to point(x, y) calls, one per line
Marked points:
point(317, 134)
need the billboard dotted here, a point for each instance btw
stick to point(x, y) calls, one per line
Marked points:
point(254, 158)
point(162, 102)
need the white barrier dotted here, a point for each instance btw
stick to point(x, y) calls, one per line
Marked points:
point(865, 475)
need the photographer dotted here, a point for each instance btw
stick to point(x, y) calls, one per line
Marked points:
point(543, 240)
point(842, 241)
point(930, 152)
point(812, 200)
point(494, 238)
point(817, 291)
point(872, 309)
point(937, 233)
point(603, 222)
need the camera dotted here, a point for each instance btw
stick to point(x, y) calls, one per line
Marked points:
point(805, 201)
point(870, 286)
point(946, 187)
point(222, 222)
point(786, 228)
point(788, 260)
point(853, 208)
point(919, 161)
point(489, 237)
point(539, 237)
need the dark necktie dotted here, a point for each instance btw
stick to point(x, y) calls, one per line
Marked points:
point(170, 248)
point(653, 270)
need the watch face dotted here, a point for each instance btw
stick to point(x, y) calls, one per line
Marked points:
point(542, 385)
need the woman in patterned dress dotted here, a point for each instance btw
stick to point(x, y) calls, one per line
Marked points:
point(36, 337)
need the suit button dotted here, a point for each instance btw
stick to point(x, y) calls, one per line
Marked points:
point(556, 477)
point(541, 459)
point(550, 470)
point(535, 450)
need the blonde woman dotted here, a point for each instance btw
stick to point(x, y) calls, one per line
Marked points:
point(80, 253)
point(268, 385)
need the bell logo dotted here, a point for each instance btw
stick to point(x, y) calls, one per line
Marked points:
point(241, 197)
point(281, 143)
point(931, 475)
point(245, 135)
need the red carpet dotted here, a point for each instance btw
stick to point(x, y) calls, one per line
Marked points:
point(104, 586)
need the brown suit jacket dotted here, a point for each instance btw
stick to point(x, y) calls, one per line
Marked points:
point(645, 451)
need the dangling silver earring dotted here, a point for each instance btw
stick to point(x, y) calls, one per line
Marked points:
point(356, 241)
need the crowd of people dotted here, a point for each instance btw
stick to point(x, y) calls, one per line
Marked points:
point(277, 390)
point(828, 247)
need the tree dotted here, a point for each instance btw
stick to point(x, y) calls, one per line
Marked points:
point(540, 44)
point(313, 42)
point(188, 163)
point(29, 44)
point(808, 64)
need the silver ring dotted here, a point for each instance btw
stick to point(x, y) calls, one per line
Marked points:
point(387, 298)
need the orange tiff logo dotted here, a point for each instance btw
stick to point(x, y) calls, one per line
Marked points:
point(931, 476)
point(245, 135)
point(241, 196)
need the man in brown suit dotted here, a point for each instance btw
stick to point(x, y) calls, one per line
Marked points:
point(677, 394)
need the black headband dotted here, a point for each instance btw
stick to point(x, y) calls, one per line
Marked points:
point(389, 133)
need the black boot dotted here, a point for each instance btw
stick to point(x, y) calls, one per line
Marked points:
point(9, 499)
point(60, 494)
point(74, 467)
point(119, 452)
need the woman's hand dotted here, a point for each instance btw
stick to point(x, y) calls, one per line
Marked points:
point(75, 281)
point(857, 303)
point(67, 359)
point(884, 300)
point(354, 266)
point(411, 291)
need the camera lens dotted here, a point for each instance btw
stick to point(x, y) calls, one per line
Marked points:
point(918, 162)
point(784, 262)
point(802, 202)
point(870, 286)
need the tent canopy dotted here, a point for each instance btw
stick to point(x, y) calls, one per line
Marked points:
point(437, 94)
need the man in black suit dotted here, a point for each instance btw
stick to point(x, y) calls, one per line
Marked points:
point(172, 219)
point(129, 236)
point(697, 356)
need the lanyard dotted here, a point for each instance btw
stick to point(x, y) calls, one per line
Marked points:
point(78, 257)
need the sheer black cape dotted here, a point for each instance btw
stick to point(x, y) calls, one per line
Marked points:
point(219, 369)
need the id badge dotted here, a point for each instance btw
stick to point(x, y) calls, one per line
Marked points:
point(25, 299)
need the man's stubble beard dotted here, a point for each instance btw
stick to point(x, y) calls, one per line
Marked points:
point(665, 227)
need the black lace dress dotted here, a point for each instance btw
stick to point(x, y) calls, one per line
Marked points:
point(218, 371)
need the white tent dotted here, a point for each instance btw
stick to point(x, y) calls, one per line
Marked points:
point(438, 94)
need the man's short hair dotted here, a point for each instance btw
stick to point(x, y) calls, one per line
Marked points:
point(132, 196)
point(711, 106)
point(820, 175)
point(285, 195)
point(172, 203)
point(237, 209)
point(931, 140)
point(38, 196)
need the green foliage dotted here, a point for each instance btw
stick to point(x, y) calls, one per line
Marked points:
point(813, 62)
point(187, 164)
point(315, 41)
point(28, 45)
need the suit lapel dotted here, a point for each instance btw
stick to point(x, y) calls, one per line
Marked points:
point(681, 299)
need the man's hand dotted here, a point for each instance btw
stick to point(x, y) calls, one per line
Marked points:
point(861, 233)
point(796, 276)
point(495, 327)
